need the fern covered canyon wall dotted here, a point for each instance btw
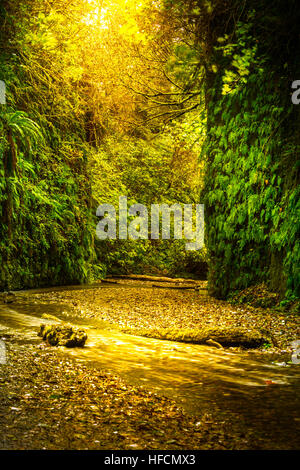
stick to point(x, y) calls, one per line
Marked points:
point(45, 199)
point(252, 167)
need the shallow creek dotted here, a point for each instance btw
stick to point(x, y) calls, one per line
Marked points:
point(252, 389)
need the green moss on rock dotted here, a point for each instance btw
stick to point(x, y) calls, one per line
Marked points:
point(57, 335)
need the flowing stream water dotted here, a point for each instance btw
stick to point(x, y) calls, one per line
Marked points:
point(252, 391)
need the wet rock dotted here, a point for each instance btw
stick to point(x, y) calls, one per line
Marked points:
point(7, 297)
point(58, 335)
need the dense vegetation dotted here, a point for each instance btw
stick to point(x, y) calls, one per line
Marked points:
point(252, 166)
point(162, 102)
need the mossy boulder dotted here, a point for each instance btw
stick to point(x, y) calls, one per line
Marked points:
point(61, 335)
point(7, 297)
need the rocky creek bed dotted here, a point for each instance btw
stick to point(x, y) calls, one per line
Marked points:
point(48, 400)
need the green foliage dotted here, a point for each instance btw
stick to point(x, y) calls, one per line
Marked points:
point(61, 157)
point(69, 141)
point(46, 227)
point(46, 239)
point(252, 202)
point(239, 57)
point(163, 170)
point(252, 175)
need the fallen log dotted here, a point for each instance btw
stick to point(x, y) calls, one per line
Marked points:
point(223, 336)
point(179, 287)
point(145, 277)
